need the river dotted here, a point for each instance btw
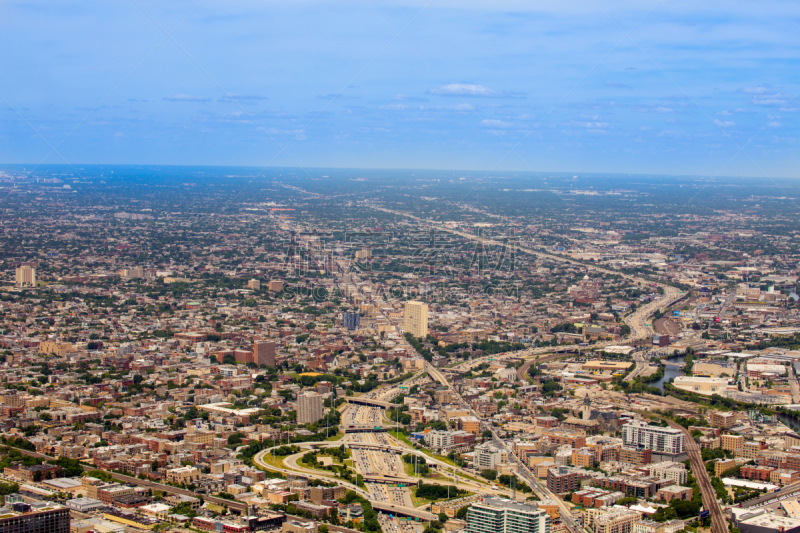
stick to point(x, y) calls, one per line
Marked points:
point(787, 421)
point(670, 371)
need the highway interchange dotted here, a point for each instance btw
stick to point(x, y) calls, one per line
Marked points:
point(641, 330)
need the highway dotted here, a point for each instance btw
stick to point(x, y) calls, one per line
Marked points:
point(636, 321)
point(522, 469)
point(640, 362)
point(444, 468)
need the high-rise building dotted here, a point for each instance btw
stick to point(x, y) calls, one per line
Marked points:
point(416, 318)
point(487, 456)
point(136, 272)
point(38, 517)
point(264, 353)
point(254, 284)
point(659, 439)
point(363, 254)
point(26, 276)
point(275, 285)
point(309, 408)
point(496, 515)
point(351, 320)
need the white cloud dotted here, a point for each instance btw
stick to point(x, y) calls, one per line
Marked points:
point(770, 99)
point(591, 124)
point(186, 98)
point(774, 124)
point(725, 113)
point(723, 123)
point(394, 107)
point(496, 123)
point(242, 97)
point(755, 90)
point(405, 98)
point(470, 89)
point(664, 110)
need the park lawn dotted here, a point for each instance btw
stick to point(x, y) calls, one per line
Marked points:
point(401, 437)
point(409, 469)
point(418, 502)
point(275, 461)
point(338, 436)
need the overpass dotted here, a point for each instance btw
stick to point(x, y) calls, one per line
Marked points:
point(389, 479)
point(375, 447)
point(370, 402)
point(401, 510)
point(369, 429)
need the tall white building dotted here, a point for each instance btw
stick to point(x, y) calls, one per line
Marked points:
point(416, 319)
point(309, 408)
point(136, 272)
point(26, 276)
point(496, 515)
point(659, 439)
point(439, 439)
point(487, 456)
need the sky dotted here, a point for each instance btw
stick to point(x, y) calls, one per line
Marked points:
point(665, 87)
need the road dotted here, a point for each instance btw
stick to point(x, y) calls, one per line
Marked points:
point(636, 321)
point(443, 468)
point(522, 469)
point(795, 386)
point(640, 362)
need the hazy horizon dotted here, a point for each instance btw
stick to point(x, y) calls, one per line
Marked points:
point(668, 88)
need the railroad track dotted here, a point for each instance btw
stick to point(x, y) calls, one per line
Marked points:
point(718, 523)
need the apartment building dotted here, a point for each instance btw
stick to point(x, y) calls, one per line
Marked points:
point(309, 408)
point(416, 318)
point(732, 442)
point(496, 515)
point(561, 480)
point(659, 439)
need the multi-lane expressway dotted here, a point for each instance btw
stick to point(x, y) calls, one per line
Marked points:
point(522, 469)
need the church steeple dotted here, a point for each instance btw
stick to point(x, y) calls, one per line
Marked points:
point(587, 406)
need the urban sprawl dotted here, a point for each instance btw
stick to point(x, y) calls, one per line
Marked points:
point(228, 351)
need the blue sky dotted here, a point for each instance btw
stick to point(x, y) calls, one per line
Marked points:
point(671, 87)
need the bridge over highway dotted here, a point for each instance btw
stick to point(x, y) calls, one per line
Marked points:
point(368, 429)
point(389, 479)
point(403, 510)
point(370, 402)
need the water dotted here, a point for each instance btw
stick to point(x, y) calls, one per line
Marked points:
point(792, 423)
point(670, 371)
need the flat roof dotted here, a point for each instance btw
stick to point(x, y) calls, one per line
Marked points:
point(748, 484)
point(223, 407)
point(607, 365)
point(772, 521)
point(62, 483)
